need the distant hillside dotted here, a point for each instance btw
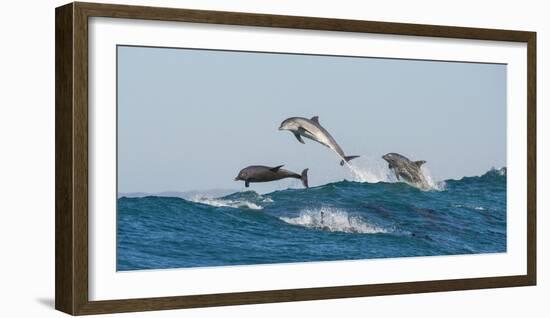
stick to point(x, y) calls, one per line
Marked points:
point(214, 193)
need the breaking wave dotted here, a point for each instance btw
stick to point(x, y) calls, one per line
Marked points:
point(237, 204)
point(370, 170)
point(333, 220)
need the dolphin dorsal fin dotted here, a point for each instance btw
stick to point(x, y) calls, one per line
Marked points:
point(419, 163)
point(315, 119)
point(275, 169)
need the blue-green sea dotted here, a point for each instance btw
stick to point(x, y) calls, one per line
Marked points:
point(338, 221)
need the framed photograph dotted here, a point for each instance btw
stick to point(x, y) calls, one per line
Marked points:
point(210, 158)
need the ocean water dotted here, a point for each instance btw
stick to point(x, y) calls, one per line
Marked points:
point(338, 221)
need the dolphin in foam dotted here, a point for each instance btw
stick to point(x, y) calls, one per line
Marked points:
point(408, 170)
point(266, 174)
point(312, 129)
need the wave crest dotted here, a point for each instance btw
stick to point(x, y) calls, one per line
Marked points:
point(371, 170)
point(333, 220)
point(433, 185)
point(237, 204)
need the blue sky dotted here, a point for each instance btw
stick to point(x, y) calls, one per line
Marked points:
point(191, 119)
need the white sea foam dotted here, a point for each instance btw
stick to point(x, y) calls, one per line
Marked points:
point(499, 171)
point(433, 185)
point(333, 220)
point(478, 208)
point(366, 169)
point(237, 204)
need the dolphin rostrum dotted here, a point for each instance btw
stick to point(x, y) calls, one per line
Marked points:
point(408, 170)
point(312, 129)
point(265, 174)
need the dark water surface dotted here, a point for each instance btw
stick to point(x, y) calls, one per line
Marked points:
point(338, 221)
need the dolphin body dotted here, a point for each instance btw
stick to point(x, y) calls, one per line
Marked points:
point(312, 129)
point(408, 170)
point(266, 174)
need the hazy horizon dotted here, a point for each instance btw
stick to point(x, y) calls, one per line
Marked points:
point(191, 119)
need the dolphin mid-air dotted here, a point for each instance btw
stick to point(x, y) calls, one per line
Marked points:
point(312, 129)
point(409, 170)
point(266, 174)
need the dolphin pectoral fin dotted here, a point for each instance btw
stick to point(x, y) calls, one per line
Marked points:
point(275, 169)
point(397, 175)
point(419, 163)
point(390, 166)
point(304, 131)
point(247, 183)
point(315, 119)
point(299, 138)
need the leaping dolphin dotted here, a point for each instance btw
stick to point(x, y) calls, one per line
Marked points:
point(408, 170)
point(312, 129)
point(265, 174)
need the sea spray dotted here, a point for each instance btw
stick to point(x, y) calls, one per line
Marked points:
point(333, 220)
point(433, 185)
point(243, 204)
point(367, 169)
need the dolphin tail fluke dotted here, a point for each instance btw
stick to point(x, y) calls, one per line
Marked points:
point(304, 178)
point(348, 158)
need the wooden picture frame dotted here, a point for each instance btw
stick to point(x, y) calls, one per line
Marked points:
point(71, 142)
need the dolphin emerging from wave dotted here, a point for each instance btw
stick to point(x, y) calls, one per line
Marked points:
point(312, 129)
point(266, 174)
point(409, 170)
